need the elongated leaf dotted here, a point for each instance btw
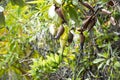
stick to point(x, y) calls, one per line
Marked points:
point(108, 62)
point(82, 40)
point(100, 65)
point(112, 20)
point(2, 19)
point(21, 3)
point(105, 55)
point(91, 25)
point(60, 32)
point(104, 11)
point(98, 60)
point(87, 5)
point(35, 2)
point(72, 12)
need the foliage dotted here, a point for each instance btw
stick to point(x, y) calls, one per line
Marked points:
point(29, 49)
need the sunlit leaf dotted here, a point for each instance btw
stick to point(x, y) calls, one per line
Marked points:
point(3, 46)
point(108, 62)
point(71, 56)
point(51, 11)
point(104, 55)
point(28, 47)
point(21, 3)
point(1, 9)
point(35, 2)
point(100, 65)
point(117, 64)
point(98, 60)
point(64, 37)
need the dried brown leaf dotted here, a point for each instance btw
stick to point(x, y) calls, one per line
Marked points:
point(88, 6)
point(104, 11)
point(82, 40)
point(86, 23)
point(92, 23)
point(70, 37)
point(112, 20)
point(59, 12)
point(111, 3)
point(59, 32)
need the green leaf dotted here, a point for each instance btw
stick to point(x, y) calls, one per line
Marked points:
point(117, 15)
point(117, 64)
point(2, 17)
point(35, 2)
point(21, 3)
point(104, 55)
point(100, 65)
point(108, 62)
point(2, 71)
point(73, 13)
point(81, 71)
point(98, 60)
point(45, 8)
point(105, 0)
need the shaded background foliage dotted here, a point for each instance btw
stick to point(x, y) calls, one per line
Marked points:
point(28, 50)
